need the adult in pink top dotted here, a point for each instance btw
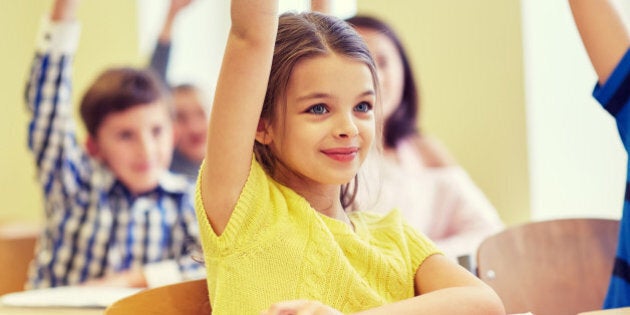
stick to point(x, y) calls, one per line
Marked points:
point(416, 174)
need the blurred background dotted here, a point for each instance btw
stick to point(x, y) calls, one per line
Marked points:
point(505, 84)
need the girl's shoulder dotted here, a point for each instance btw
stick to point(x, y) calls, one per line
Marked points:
point(371, 219)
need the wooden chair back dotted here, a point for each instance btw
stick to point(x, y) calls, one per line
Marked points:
point(189, 297)
point(17, 248)
point(550, 267)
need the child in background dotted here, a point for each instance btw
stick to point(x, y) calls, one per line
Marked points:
point(191, 129)
point(607, 43)
point(190, 102)
point(114, 214)
point(274, 226)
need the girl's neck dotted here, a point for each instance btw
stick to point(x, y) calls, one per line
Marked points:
point(323, 198)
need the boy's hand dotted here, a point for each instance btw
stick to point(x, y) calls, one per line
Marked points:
point(322, 6)
point(301, 307)
point(133, 278)
point(177, 5)
point(64, 10)
point(173, 10)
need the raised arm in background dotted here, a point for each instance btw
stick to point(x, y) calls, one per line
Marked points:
point(606, 40)
point(603, 33)
point(323, 6)
point(161, 53)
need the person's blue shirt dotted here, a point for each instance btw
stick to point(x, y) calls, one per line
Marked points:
point(614, 96)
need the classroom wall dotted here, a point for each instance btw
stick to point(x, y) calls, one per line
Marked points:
point(577, 161)
point(468, 56)
point(109, 37)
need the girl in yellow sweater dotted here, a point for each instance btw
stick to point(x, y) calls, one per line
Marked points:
point(301, 90)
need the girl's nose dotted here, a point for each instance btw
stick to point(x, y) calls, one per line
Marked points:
point(346, 127)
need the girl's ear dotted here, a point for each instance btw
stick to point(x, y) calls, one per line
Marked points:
point(92, 147)
point(262, 132)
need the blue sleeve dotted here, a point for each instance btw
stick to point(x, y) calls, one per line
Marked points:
point(614, 96)
point(160, 59)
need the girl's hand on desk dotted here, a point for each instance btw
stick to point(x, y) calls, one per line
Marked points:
point(302, 307)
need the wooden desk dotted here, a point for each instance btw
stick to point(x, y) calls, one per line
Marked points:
point(615, 311)
point(17, 243)
point(10, 310)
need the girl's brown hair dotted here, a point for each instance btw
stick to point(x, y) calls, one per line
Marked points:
point(301, 36)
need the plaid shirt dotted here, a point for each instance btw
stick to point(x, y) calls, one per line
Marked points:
point(94, 225)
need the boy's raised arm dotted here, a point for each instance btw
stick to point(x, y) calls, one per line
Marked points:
point(323, 6)
point(238, 101)
point(603, 33)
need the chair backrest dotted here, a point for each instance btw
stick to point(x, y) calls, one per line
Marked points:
point(189, 297)
point(17, 247)
point(550, 267)
point(613, 311)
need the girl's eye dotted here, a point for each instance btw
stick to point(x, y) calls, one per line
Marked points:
point(363, 107)
point(318, 109)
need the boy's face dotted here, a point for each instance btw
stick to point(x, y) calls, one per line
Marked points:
point(191, 124)
point(137, 145)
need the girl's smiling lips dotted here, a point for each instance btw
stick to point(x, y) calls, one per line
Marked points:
point(344, 154)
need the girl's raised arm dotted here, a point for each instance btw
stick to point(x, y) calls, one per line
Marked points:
point(603, 33)
point(238, 101)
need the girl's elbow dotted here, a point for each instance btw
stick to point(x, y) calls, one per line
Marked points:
point(493, 305)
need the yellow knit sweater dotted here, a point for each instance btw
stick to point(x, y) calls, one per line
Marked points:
point(276, 247)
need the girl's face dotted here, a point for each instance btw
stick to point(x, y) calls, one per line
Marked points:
point(328, 127)
point(389, 67)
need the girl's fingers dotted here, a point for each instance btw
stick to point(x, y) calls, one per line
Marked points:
point(300, 307)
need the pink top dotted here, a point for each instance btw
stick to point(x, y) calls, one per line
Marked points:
point(441, 202)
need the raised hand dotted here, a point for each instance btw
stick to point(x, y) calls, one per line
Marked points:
point(64, 10)
point(177, 5)
point(173, 10)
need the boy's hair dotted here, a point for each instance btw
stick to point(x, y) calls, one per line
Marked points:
point(302, 36)
point(184, 87)
point(119, 89)
point(193, 88)
point(403, 120)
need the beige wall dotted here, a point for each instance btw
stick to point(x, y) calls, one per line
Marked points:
point(108, 37)
point(468, 56)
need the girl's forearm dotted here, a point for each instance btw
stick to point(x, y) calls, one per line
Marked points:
point(469, 300)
